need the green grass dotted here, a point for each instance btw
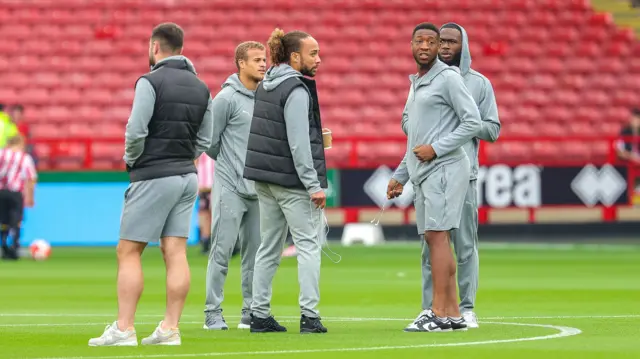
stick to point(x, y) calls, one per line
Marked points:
point(50, 309)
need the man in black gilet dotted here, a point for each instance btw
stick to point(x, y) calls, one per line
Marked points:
point(285, 158)
point(169, 127)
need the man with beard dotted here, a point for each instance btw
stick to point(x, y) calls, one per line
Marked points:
point(286, 160)
point(169, 127)
point(236, 213)
point(454, 51)
point(439, 118)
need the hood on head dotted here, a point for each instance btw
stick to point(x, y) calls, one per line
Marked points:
point(277, 74)
point(465, 53)
point(188, 62)
point(234, 82)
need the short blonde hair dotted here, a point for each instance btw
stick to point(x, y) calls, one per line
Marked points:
point(243, 49)
point(16, 140)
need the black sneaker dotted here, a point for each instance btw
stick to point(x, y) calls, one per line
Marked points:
point(10, 254)
point(265, 325)
point(431, 324)
point(5, 252)
point(458, 324)
point(413, 326)
point(206, 246)
point(311, 325)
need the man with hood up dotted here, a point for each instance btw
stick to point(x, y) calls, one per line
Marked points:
point(234, 202)
point(286, 160)
point(440, 116)
point(169, 127)
point(454, 51)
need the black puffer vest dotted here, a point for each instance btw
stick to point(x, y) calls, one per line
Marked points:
point(269, 157)
point(181, 102)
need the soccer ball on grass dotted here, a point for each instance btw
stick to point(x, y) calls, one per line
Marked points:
point(40, 249)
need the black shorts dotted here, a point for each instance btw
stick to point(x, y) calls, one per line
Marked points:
point(11, 208)
point(205, 201)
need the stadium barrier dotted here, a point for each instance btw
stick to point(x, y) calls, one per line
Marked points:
point(83, 207)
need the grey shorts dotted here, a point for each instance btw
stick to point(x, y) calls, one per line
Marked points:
point(159, 208)
point(439, 199)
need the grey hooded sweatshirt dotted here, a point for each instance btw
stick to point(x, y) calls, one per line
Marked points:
point(439, 112)
point(296, 118)
point(482, 93)
point(232, 114)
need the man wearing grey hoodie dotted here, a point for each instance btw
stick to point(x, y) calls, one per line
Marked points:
point(454, 51)
point(234, 202)
point(439, 118)
point(286, 160)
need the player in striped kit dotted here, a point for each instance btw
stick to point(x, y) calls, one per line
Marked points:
point(17, 178)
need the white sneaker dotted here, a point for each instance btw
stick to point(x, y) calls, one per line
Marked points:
point(113, 336)
point(163, 337)
point(245, 322)
point(413, 326)
point(471, 319)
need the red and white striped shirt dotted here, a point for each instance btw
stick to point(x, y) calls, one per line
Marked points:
point(16, 167)
point(205, 172)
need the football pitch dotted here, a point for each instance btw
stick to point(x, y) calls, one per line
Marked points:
point(574, 301)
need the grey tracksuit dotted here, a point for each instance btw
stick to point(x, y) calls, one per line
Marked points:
point(235, 209)
point(441, 112)
point(282, 207)
point(465, 238)
point(159, 207)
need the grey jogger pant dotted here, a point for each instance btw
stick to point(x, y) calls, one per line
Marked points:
point(465, 242)
point(235, 218)
point(158, 208)
point(280, 208)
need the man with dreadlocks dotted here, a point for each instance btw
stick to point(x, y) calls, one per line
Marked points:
point(286, 160)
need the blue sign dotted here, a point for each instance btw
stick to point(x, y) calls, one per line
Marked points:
point(80, 214)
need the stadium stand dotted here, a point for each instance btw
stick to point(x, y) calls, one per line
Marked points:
point(559, 68)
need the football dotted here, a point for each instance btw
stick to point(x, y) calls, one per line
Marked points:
point(40, 249)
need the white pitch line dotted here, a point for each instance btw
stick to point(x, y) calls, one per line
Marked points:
point(570, 317)
point(291, 319)
point(45, 315)
point(68, 315)
point(85, 324)
point(29, 325)
point(562, 332)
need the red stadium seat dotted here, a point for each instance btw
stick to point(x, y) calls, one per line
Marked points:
point(74, 64)
point(546, 150)
point(606, 128)
point(508, 151)
point(60, 114)
point(576, 150)
point(518, 129)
